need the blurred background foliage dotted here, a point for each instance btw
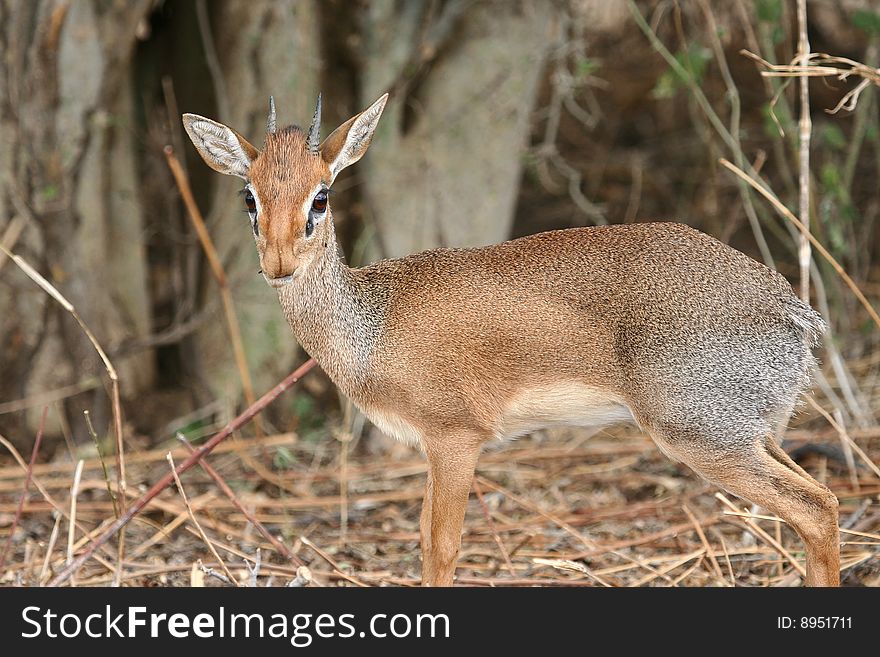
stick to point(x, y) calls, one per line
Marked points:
point(507, 117)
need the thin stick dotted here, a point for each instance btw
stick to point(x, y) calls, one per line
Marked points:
point(492, 529)
point(212, 60)
point(326, 557)
point(213, 573)
point(51, 546)
point(217, 270)
point(255, 571)
point(758, 516)
point(664, 570)
point(27, 485)
point(43, 398)
point(730, 140)
point(557, 521)
point(192, 516)
point(734, 100)
point(705, 542)
point(845, 444)
point(840, 67)
point(194, 458)
point(94, 436)
point(11, 235)
point(53, 292)
point(56, 506)
point(221, 483)
point(755, 529)
point(164, 532)
point(174, 124)
point(344, 439)
point(71, 527)
point(785, 212)
point(805, 127)
point(726, 557)
point(845, 436)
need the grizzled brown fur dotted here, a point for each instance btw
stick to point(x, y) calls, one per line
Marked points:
point(704, 348)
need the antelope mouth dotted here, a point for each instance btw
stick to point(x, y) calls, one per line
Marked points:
point(280, 281)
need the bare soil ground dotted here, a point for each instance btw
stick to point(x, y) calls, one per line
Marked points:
point(561, 508)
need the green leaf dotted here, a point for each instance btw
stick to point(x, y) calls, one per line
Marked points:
point(833, 136)
point(777, 35)
point(831, 178)
point(308, 415)
point(866, 21)
point(50, 192)
point(666, 86)
point(193, 430)
point(850, 213)
point(303, 406)
point(283, 459)
point(693, 61)
point(769, 11)
point(585, 67)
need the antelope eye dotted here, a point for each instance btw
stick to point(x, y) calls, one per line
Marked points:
point(250, 202)
point(319, 204)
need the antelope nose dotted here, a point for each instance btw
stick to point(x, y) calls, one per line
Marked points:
point(276, 271)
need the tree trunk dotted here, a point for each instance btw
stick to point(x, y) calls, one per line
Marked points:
point(68, 171)
point(444, 166)
point(263, 47)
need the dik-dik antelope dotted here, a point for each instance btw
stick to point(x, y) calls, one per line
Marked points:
point(657, 323)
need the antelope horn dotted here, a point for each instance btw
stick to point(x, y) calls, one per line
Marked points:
point(270, 122)
point(315, 129)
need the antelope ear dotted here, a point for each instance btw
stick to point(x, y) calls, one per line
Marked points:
point(348, 143)
point(222, 148)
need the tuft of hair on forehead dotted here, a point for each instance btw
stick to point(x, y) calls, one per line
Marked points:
point(285, 134)
point(286, 141)
point(289, 140)
point(286, 156)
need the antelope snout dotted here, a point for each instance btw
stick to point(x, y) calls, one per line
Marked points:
point(278, 267)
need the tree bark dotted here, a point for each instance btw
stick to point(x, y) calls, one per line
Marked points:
point(263, 48)
point(445, 163)
point(68, 171)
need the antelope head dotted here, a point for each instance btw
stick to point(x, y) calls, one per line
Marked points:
point(287, 183)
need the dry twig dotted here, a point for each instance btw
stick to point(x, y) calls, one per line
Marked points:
point(27, 485)
point(195, 522)
point(785, 212)
point(196, 456)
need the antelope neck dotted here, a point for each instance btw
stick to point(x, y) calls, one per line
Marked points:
point(336, 316)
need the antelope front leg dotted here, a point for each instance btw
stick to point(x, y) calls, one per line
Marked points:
point(450, 475)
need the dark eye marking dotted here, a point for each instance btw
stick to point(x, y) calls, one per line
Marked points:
point(249, 201)
point(319, 203)
point(319, 207)
point(250, 204)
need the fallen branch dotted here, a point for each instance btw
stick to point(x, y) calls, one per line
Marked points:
point(53, 292)
point(194, 458)
point(27, 485)
point(219, 275)
point(198, 526)
point(278, 545)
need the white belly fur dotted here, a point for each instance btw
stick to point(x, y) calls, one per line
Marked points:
point(566, 403)
point(395, 426)
point(534, 408)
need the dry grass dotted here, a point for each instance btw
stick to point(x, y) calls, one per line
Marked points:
point(567, 509)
